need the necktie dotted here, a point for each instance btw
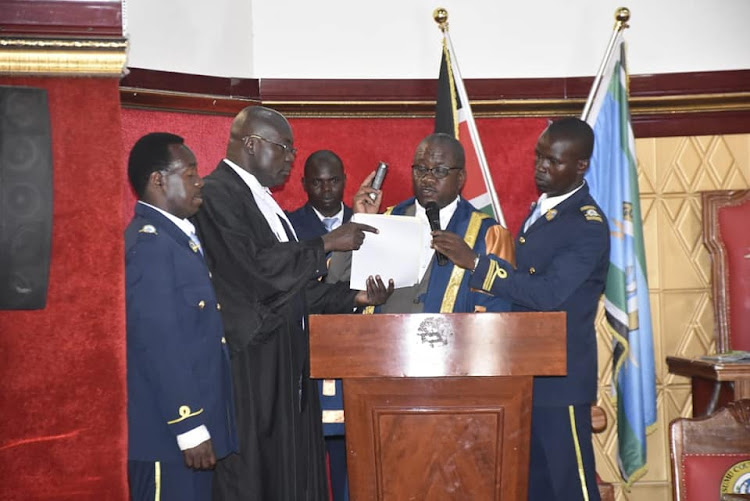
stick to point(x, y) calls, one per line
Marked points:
point(330, 222)
point(197, 242)
point(535, 214)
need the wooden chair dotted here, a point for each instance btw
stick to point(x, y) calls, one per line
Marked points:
point(725, 235)
point(710, 454)
point(715, 382)
point(725, 224)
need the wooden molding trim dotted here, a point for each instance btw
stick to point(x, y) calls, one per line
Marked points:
point(183, 102)
point(61, 18)
point(60, 57)
point(670, 104)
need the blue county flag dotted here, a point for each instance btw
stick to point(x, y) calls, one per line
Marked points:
point(453, 116)
point(614, 184)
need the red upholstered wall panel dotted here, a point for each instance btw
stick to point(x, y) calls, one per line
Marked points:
point(361, 143)
point(63, 429)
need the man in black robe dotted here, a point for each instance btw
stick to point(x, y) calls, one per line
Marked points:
point(266, 283)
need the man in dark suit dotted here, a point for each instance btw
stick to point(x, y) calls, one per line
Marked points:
point(324, 181)
point(180, 408)
point(265, 279)
point(562, 255)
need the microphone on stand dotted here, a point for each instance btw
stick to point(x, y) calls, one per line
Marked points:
point(433, 216)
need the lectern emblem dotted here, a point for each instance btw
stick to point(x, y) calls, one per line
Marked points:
point(737, 479)
point(435, 331)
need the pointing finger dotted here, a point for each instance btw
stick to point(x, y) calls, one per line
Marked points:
point(367, 227)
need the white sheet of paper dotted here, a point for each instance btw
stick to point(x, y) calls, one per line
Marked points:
point(393, 253)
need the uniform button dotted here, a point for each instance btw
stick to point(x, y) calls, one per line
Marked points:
point(201, 304)
point(210, 275)
point(223, 340)
point(532, 270)
point(521, 240)
point(218, 306)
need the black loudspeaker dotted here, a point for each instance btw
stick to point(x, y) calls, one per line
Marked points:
point(25, 198)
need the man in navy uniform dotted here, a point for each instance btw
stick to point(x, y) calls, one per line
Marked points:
point(180, 407)
point(562, 255)
point(324, 181)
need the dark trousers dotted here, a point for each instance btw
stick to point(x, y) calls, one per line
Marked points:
point(336, 447)
point(172, 481)
point(562, 455)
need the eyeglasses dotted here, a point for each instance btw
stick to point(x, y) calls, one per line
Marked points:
point(286, 148)
point(438, 172)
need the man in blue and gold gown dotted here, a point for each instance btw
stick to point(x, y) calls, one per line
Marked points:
point(438, 175)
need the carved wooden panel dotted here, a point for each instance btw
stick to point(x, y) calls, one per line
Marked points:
point(438, 438)
point(446, 457)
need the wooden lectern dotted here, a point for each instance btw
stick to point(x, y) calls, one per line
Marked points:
point(438, 406)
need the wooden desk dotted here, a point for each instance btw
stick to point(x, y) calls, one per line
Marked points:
point(734, 497)
point(713, 383)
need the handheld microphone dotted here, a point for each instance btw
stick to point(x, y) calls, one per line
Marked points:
point(377, 181)
point(433, 216)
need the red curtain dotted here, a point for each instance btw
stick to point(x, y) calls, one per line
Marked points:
point(63, 401)
point(361, 143)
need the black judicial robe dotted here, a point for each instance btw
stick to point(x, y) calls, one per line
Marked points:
point(266, 289)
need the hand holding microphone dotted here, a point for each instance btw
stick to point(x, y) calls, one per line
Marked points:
point(377, 181)
point(433, 216)
point(449, 245)
point(366, 200)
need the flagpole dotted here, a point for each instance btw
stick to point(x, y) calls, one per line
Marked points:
point(440, 16)
point(622, 16)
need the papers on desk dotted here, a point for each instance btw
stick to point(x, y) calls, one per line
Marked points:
point(728, 356)
point(395, 252)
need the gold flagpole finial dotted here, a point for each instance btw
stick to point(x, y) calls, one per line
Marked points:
point(622, 16)
point(440, 15)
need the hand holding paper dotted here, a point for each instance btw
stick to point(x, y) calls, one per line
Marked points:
point(393, 253)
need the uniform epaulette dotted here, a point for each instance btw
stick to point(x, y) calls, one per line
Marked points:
point(148, 228)
point(591, 213)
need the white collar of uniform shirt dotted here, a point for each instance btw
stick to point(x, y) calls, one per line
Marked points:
point(446, 213)
point(266, 203)
point(547, 203)
point(339, 216)
point(183, 224)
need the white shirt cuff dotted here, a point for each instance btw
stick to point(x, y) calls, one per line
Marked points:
point(193, 438)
